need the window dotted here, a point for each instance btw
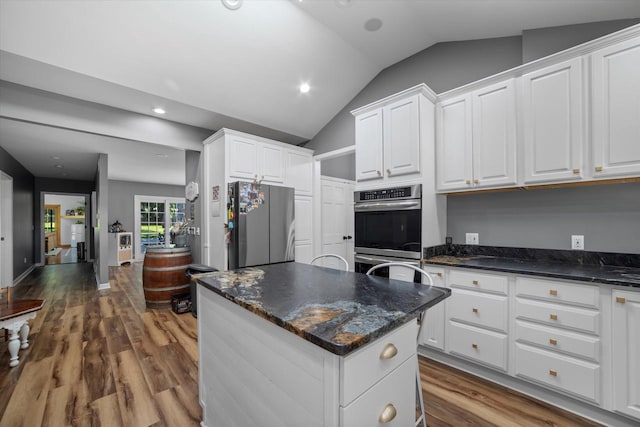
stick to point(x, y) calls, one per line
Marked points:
point(50, 220)
point(154, 218)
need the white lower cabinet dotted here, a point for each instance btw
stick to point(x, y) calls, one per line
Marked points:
point(626, 352)
point(432, 328)
point(575, 338)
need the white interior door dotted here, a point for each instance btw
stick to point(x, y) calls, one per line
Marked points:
point(6, 230)
point(337, 220)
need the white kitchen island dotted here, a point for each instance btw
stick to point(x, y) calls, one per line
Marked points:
point(298, 345)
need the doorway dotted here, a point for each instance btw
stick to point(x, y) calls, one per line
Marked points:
point(64, 228)
point(6, 230)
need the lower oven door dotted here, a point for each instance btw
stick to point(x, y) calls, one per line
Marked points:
point(363, 262)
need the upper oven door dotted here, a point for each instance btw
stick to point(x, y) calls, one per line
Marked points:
point(391, 228)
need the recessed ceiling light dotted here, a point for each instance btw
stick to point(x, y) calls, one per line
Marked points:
point(304, 88)
point(59, 166)
point(158, 110)
point(373, 24)
point(162, 156)
point(55, 157)
point(343, 3)
point(232, 4)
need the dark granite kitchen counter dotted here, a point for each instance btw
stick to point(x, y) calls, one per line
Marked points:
point(595, 267)
point(337, 310)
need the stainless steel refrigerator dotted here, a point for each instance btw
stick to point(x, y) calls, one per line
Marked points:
point(261, 226)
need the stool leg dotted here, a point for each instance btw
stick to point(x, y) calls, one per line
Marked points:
point(14, 346)
point(24, 336)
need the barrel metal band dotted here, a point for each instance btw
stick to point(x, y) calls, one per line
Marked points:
point(172, 288)
point(179, 267)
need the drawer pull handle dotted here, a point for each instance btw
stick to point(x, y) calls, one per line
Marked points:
point(388, 172)
point(468, 182)
point(576, 171)
point(475, 282)
point(621, 300)
point(553, 342)
point(598, 168)
point(475, 310)
point(553, 373)
point(379, 173)
point(474, 346)
point(553, 316)
point(388, 414)
point(389, 351)
point(553, 292)
point(439, 274)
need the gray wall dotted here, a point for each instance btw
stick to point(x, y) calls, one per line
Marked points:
point(101, 265)
point(608, 216)
point(193, 172)
point(340, 167)
point(121, 199)
point(541, 42)
point(23, 213)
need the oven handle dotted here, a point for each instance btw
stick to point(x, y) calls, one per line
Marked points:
point(381, 260)
point(404, 205)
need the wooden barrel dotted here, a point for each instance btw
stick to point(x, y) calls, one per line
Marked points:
point(163, 274)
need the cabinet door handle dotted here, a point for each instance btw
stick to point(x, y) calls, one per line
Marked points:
point(598, 168)
point(468, 181)
point(388, 414)
point(379, 173)
point(439, 274)
point(576, 171)
point(553, 373)
point(388, 172)
point(475, 282)
point(621, 300)
point(553, 342)
point(475, 310)
point(389, 351)
point(553, 316)
point(553, 292)
point(474, 346)
point(475, 181)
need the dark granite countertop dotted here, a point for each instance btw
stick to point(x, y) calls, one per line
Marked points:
point(337, 310)
point(595, 267)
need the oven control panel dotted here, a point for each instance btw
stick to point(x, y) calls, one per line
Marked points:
point(408, 192)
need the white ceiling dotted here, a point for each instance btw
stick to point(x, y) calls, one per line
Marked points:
point(212, 67)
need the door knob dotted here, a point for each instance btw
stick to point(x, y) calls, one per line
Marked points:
point(349, 237)
point(344, 237)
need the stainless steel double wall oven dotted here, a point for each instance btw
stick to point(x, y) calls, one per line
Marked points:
point(388, 227)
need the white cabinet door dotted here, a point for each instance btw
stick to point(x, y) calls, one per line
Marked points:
point(304, 229)
point(626, 352)
point(300, 171)
point(432, 327)
point(271, 163)
point(243, 157)
point(552, 114)
point(401, 137)
point(494, 135)
point(369, 145)
point(453, 144)
point(616, 110)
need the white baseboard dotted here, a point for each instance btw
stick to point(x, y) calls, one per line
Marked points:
point(551, 397)
point(21, 277)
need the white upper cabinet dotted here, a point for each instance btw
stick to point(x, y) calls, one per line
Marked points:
point(251, 159)
point(299, 170)
point(394, 136)
point(401, 137)
point(453, 144)
point(476, 139)
point(369, 145)
point(552, 122)
point(494, 135)
point(616, 110)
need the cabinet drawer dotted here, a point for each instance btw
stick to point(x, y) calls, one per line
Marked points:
point(478, 281)
point(555, 339)
point(487, 347)
point(479, 309)
point(580, 319)
point(368, 365)
point(548, 290)
point(397, 389)
point(564, 373)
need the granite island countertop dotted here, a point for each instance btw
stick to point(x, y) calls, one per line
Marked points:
point(337, 310)
point(593, 267)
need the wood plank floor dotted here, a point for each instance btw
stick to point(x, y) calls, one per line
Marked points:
point(100, 358)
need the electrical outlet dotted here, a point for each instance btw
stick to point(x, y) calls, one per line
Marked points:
point(577, 242)
point(472, 238)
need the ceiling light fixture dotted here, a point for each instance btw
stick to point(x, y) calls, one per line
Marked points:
point(55, 157)
point(373, 24)
point(59, 166)
point(232, 4)
point(162, 156)
point(304, 88)
point(159, 110)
